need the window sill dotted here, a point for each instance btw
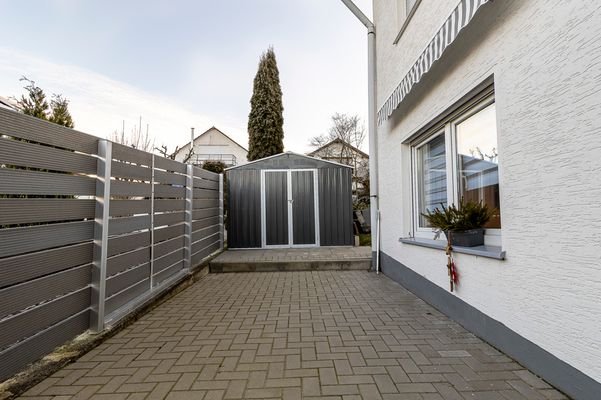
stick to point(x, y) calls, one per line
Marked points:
point(482, 251)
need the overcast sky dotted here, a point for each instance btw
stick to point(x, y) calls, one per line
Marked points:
point(180, 64)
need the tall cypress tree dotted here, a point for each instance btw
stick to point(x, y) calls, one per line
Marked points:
point(266, 120)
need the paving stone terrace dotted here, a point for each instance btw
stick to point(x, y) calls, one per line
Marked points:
point(297, 259)
point(294, 335)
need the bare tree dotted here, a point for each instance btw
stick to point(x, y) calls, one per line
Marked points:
point(136, 139)
point(342, 143)
point(163, 150)
point(348, 128)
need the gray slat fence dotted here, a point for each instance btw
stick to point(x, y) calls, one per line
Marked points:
point(89, 231)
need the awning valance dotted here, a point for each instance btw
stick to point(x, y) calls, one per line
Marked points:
point(459, 18)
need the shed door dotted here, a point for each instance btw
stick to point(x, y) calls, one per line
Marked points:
point(275, 208)
point(303, 207)
point(289, 208)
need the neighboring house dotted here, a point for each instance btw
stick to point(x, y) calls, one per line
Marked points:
point(213, 145)
point(343, 152)
point(9, 103)
point(498, 101)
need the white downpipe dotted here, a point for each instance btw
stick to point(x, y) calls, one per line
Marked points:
point(378, 244)
point(371, 127)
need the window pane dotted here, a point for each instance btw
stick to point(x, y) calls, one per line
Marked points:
point(410, 4)
point(431, 176)
point(478, 161)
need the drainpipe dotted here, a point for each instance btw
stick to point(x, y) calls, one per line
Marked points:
point(371, 127)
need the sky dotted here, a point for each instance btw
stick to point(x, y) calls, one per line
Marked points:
point(182, 64)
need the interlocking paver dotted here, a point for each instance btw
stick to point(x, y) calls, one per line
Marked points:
point(294, 335)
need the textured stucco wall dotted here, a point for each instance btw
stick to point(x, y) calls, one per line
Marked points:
point(546, 60)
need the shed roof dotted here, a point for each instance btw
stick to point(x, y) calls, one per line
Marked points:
point(271, 161)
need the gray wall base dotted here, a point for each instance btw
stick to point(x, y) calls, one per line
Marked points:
point(555, 371)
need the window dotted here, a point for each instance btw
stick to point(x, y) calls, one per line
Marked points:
point(458, 159)
point(431, 175)
point(409, 6)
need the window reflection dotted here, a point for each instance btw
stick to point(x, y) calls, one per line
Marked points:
point(478, 161)
point(432, 176)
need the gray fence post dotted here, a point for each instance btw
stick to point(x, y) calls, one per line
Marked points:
point(188, 232)
point(103, 195)
point(221, 219)
point(152, 224)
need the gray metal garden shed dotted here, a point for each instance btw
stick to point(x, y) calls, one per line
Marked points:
point(289, 200)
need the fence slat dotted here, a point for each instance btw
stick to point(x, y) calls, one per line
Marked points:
point(16, 357)
point(168, 232)
point(169, 178)
point(23, 211)
point(126, 188)
point(163, 262)
point(165, 205)
point(17, 269)
point(125, 153)
point(205, 184)
point(121, 208)
point(33, 238)
point(125, 296)
point(168, 246)
point(206, 194)
point(169, 191)
point(125, 243)
point(130, 171)
point(203, 223)
point(18, 297)
point(204, 253)
point(205, 242)
point(198, 204)
point(31, 321)
point(18, 181)
point(124, 261)
point(24, 154)
point(205, 213)
point(34, 129)
point(199, 234)
point(171, 218)
point(117, 283)
point(168, 272)
point(204, 174)
point(119, 226)
point(169, 165)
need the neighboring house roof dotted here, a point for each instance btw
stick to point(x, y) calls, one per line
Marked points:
point(207, 131)
point(287, 154)
point(338, 140)
point(9, 103)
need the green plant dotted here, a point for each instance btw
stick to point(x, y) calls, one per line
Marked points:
point(469, 215)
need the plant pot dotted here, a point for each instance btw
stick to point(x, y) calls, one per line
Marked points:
point(470, 238)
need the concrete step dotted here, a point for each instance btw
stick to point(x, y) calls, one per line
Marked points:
point(274, 266)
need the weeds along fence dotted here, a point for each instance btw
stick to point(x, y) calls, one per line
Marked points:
point(90, 230)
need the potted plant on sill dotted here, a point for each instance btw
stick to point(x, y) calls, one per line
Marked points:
point(463, 225)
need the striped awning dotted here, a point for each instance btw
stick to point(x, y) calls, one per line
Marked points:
point(459, 18)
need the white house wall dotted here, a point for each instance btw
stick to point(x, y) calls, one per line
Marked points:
point(545, 58)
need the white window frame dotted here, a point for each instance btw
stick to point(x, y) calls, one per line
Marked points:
point(407, 16)
point(449, 130)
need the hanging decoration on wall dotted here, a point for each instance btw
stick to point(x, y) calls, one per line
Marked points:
point(452, 268)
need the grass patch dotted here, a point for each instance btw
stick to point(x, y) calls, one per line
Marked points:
point(365, 239)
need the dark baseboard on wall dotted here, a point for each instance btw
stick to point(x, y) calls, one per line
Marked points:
point(555, 371)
